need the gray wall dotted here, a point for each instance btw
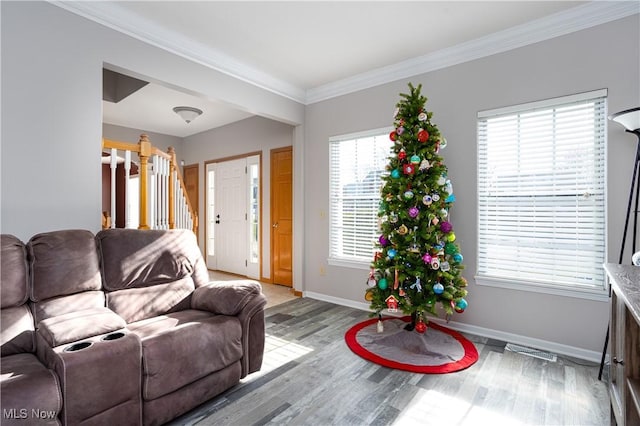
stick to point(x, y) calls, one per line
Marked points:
point(250, 135)
point(570, 64)
point(52, 64)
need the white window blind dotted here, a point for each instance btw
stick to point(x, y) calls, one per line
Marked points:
point(356, 163)
point(541, 201)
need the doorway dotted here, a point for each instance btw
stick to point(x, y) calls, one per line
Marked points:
point(282, 216)
point(232, 200)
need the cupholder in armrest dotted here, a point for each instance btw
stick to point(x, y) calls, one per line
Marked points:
point(113, 336)
point(77, 346)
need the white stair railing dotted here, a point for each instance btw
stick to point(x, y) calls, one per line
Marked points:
point(163, 200)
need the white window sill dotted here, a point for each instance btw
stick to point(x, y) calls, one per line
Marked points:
point(346, 263)
point(600, 295)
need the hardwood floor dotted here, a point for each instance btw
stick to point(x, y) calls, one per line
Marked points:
point(310, 377)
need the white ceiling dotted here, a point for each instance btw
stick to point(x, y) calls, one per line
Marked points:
point(309, 51)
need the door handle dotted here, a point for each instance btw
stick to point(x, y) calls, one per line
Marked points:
point(275, 225)
point(217, 218)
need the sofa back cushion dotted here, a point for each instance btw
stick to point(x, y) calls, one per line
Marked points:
point(16, 322)
point(63, 263)
point(14, 272)
point(149, 272)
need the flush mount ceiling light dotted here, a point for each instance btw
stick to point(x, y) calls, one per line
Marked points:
point(188, 114)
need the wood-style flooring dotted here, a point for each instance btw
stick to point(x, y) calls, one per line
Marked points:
point(310, 377)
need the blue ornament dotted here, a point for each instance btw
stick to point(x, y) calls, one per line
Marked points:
point(457, 258)
point(395, 173)
point(438, 288)
point(450, 198)
point(392, 253)
point(462, 304)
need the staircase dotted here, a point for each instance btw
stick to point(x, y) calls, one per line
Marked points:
point(163, 200)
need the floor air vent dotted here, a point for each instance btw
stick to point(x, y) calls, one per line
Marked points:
point(531, 352)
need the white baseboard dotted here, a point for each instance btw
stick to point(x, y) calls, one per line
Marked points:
point(545, 345)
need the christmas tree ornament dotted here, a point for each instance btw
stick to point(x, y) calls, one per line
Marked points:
point(438, 288)
point(400, 130)
point(402, 155)
point(392, 253)
point(371, 282)
point(415, 159)
point(442, 180)
point(444, 213)
point(414, 248)
point(408, 169)
point(457, 258)
point(379, 326)
point(443, 142)
point(426, 258)
point(383, 240)
point(368, 295)
point(423, 135)
point(421, 327)
point(450, 249)
point(382, 284)
point(450, 198)
point(393, 218)
point(393, 136)
point(435, 263)
point(396, 280)
point(408, 194)
point(417, 286)
point(446, 227)
point(401, 292)
point(392, 303)
point(424, 165)
point(414, 212)
point(444, 266)
point(402, 230)
point(435, 220)
point(451, 237)
point(422, 116)
point(427, 200)
point(435, 197)
point(395, 173)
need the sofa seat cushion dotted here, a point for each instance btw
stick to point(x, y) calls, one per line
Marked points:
point(79, 325)
point(27, 385)
point(182, 347)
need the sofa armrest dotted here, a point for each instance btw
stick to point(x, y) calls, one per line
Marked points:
point(79, 325)
point(243, 299)
point(225, 297)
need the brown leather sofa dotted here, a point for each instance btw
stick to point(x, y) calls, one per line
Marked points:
point(122, 327)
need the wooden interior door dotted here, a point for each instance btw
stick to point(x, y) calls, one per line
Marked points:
point(282, 216)
point(190, 175)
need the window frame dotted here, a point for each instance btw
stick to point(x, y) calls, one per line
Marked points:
point(596, 292)
point(345, 261)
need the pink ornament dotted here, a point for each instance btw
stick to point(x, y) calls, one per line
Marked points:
point(414, 212)
point(446, 227)
point(400, 130)
point(426, 258)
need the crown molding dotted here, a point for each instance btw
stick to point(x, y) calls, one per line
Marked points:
point(111, 15)
point(562, 23)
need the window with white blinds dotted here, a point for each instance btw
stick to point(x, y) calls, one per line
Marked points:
point(541, 200)
point(356, 162)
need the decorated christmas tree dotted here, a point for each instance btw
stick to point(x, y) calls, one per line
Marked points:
point(417, 265)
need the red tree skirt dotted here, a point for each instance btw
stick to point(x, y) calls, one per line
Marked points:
point(439, 350)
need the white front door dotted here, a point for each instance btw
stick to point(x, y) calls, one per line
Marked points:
point(231, 219)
